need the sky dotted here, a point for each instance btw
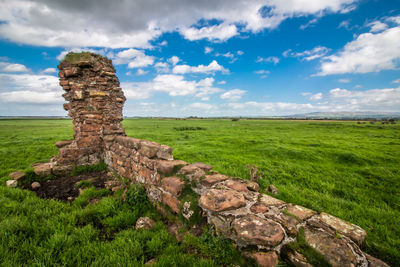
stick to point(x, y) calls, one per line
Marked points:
point(179, 58)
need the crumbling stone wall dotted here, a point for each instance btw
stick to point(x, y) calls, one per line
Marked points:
point(261, 225)
point(95, 106)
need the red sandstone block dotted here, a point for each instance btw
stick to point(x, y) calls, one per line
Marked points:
point(171, 202)
point(91, 127)
point(127, 141)
point(90, 141)
point(149, 149)
point(64, 82)
point(145, 172)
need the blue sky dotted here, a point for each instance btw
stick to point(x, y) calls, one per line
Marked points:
point(208, 58)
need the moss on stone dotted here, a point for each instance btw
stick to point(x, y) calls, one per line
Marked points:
point(75, 58)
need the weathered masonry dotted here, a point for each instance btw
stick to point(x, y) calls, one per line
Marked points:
point(261, 225)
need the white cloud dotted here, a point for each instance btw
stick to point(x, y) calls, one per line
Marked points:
point(207, 50)
point(263, 73)
point(163, 43)
point(305, 93)
point(220, 32)
point(174, 85)
point(136, 91)
point(274, 60)
point(239, 52)
point(140, 62)
point(233, 95)
point(29, 88)
point(316, 52)
point(227, 55)
point(133, 57)
point(141, 72)
point(309, 24)
point(222, 82)
point(345, 24)
point(203, 106)
point(49, 70)
point(396, 81)
point(12, 67)
point(377, 26)
point(369, 100)
point(31, 97)
point(135, 23)
point(317, 96)
point(369, 52)
point(210, 68)
point(174, 60)
point(344, 80)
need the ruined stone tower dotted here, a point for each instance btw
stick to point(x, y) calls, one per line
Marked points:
point(95, 106)
point(260, 224)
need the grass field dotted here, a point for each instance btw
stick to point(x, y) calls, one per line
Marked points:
point(347, 169)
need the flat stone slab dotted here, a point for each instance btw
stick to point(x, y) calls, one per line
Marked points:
point(335, 250)
point(236, 185)
point(42, 169)
point(167, 166)
point(252, 230)
point(300, 212)
point(173, 184)
point(192, 172)
point(220, 199)
point(210, 180)
point(61, 144)
point(269, 201)
point(171, 202)
point(17, 175)
point(202, 166)
point(355, 232)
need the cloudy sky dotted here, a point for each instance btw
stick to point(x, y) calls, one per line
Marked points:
point(209, 57)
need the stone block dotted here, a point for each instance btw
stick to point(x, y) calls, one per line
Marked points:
point(210, 180)
point(164, 152)
point(12, 183)
point(355, 232)
point(61, 144)
point(17, 175)
point(42, 169)
point(171, 202)
point(167, 166)
point(236, 185)
point(148, 149)
point(220, 200)
point(253, 230)
point(268, 200)
point(300, 212)
point(173, 185)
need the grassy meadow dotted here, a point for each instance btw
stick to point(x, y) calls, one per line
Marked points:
point(347, 169)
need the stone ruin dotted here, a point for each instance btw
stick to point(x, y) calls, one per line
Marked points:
point(261, 225)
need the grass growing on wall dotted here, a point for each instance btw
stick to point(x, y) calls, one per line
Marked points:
point(347, 169)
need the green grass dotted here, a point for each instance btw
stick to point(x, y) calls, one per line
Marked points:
point(347, 169)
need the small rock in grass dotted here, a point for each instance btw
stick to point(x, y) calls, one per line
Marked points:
point(144, 223)
point(273, 189)
point(151, 262)
point(186, 211)
point(17, 175)
point(35, 185)
point(70, 198)
point(12, 183)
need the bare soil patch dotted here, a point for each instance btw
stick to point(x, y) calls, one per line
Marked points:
point(65, 188)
